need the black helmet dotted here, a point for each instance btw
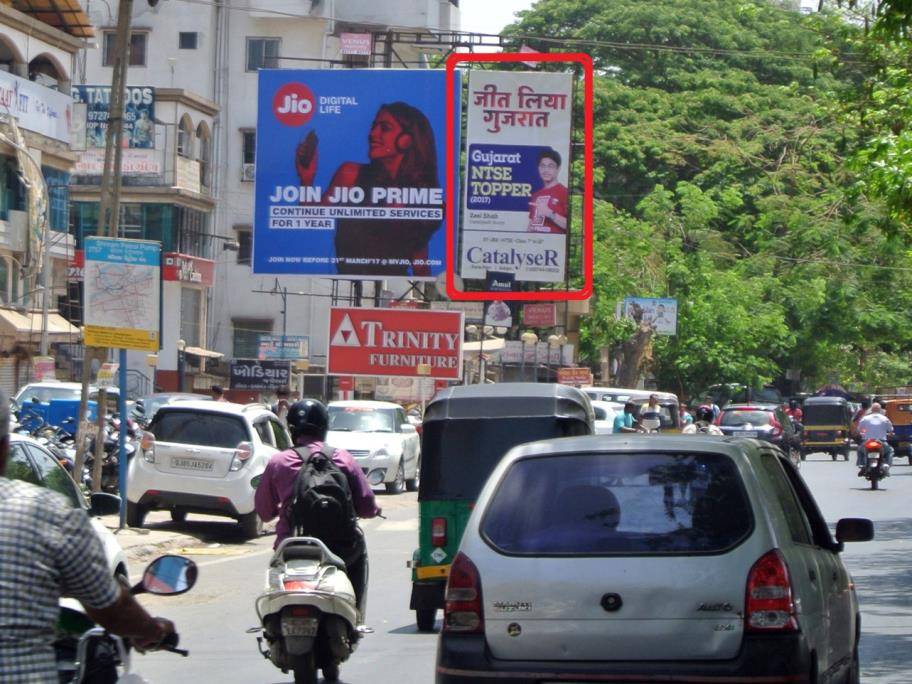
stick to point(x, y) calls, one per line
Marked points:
point(309, 417)
point(704, 413)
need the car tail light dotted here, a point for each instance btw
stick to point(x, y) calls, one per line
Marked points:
point(242, 452)
point(148, 446)
point(872, 445)
point(769, 605)
point(462, 611)
point(438, 532)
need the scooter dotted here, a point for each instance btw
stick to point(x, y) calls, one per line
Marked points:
point(308, 613)
point(875, 466)
point(88, 654)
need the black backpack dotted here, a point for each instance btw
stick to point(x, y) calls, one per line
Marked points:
point(321, 504)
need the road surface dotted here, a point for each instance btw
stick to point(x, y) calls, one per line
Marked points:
point(212, 618)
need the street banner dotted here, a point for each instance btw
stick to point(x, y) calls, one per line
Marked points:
point(404, 342)
point(138, 118)
point(574, 376)
point(293, 347)
point(253, 374)
point(540, 315)
point(661, 313)
point(122, 293)
point(350, 173)
point(516, 211)
point(540, 352)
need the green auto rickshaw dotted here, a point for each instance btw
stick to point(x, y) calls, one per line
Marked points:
point(466, 431)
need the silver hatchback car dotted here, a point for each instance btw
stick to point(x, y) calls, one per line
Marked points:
point(650, 558)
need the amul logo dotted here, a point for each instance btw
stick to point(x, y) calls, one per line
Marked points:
point(293, 104)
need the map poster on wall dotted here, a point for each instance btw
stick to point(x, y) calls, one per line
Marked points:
point(122, 293)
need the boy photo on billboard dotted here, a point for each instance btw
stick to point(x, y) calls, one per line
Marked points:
point(548, 204)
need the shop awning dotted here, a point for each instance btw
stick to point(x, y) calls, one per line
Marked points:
point(205, 353)
point(25, 326)
point(66, 15)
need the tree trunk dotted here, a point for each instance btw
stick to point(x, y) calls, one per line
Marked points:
point(637, 354)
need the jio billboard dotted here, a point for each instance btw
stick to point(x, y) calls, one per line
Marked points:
point(350, 173)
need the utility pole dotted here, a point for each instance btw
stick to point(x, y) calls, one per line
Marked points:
point(108, 220)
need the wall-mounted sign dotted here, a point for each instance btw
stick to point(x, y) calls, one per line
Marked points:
point(574, 376)
point(355, 43)
point(36, 108)
point(254, 374)
point(184, 268)
point(293, 347)
point(540, 315)
point(138, 119)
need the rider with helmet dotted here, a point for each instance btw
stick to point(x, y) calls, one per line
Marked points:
point(308, 422)
point(703, 425)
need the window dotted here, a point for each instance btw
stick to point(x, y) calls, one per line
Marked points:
point(58, 183)
point(281, 436)
point(361, 420)
point(53, 474)
point(137, 55)
point(262, 53)
point(246, 337)
point(619, 503)
point(190, 315)
point(819, 529)
point(245, 247)
point(785, 495)
point(185, 138)
point(249, 149)
point(204, 154)
point(187, 40)
point(19, 467)
point(192, 236)
point(131, 221)
point(265, 432)
point(199, 428)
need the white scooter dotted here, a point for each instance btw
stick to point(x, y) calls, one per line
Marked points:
point(308, 612)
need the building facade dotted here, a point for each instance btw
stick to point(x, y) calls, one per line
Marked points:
point(211, 52)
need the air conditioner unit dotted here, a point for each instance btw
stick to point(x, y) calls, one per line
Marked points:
point(248, 172)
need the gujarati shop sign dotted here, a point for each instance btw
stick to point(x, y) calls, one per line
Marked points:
point(253, 374)
point(404, 342)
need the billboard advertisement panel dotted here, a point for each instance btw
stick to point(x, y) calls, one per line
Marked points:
point(139, 115)
point(122, 293)
point(36, 108)
point(350, 173)
point(661, 313)
point(516, 203)
point(404, 342)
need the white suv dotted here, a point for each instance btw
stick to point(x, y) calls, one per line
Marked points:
point(384, 444)
point(202, 457)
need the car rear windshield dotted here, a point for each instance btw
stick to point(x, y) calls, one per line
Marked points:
point(825, 414)
point(618, 503)
point(735, 418)
point(357, 419)
point(199, 428)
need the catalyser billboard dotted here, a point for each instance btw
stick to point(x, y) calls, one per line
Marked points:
point(516, 212)
point(350, 173)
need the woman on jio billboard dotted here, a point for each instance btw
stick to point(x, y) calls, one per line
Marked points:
point(348, 179)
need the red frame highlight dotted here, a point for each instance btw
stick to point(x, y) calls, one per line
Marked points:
point(547, 295)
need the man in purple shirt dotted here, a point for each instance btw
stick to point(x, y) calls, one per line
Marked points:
point(308, 421)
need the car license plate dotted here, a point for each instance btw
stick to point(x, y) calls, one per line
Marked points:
point(299, 627)
point(191, 464)
point(748, 433)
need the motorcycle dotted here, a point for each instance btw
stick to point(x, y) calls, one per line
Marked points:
point(308, 613)
point(110, 468)
point(88, 654)
point(875, 466)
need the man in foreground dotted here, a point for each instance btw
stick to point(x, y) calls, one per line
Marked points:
point(49, 550)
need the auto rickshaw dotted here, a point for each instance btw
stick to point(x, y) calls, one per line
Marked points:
point(669, 413)
point(827, 425)
point(899, 411)
point(467, 429)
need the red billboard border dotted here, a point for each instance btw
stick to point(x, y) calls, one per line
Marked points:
point(547, 295)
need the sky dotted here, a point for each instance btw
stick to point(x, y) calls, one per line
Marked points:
point(489, 16)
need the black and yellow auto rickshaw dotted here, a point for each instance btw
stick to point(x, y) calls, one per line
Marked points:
point(466, 431)
point(827, 425)
point(899, 411)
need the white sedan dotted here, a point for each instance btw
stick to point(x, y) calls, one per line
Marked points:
point(605, 412)
point(381, 439)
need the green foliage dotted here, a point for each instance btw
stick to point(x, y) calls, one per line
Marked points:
point(723, 178)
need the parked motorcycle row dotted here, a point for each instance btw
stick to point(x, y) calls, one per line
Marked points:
point(60, 440)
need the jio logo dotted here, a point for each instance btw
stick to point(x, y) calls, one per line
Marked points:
point(293, 104)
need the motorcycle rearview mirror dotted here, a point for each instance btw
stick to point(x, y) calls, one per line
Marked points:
point(102, 503)
point(168, 576)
